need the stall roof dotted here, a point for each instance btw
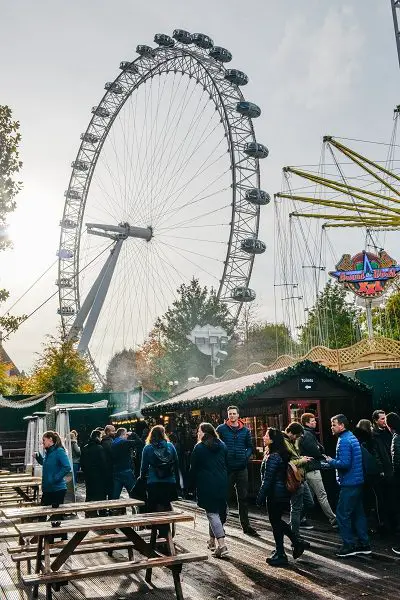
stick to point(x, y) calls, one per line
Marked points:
point(236, 391)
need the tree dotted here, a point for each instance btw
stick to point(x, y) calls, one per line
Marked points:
point(332, 321)
point(61, 369)
point(9, 188)
point(386, 319)
point(154, 365)
point(120, 374)
point(262, 342)
point(176, 358)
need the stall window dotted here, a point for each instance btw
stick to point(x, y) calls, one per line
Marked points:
point(258, 426)
point(296, 408)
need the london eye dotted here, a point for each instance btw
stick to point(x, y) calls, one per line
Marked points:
point(165, 187)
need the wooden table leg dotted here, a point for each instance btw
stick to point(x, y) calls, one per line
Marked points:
point(46, 551)
point(153, 539)
point(35, 591)
point(68, 549)
point(176, 573)
point(49, 592)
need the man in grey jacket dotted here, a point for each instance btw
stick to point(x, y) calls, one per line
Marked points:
point(309, 446)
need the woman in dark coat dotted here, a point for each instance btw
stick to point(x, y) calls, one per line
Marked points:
point(273, 490)
point(94, 467)
point(209, 473)
point(393, 423)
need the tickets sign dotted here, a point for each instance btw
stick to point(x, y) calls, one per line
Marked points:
point(366, 274)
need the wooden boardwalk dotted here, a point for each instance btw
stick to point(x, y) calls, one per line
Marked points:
point(317, 575)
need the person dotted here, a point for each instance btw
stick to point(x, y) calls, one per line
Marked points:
point(107, 438)
point(363, 433)
point(209, 473)
point(310, 446)
point(393, 423)
point(301, 500)
point(159, 469)
point(237, 439)
point(383, 443)
point(76, 453)
point(93, 464)
point(56, 466)
point(350, 477)
point(123, 449)
point(274, 492)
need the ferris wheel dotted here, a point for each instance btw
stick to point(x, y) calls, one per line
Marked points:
point(165, 187)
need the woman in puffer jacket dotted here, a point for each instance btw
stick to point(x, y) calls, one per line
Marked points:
point(273, 490)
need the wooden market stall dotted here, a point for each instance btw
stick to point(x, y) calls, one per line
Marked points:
point(272, 398)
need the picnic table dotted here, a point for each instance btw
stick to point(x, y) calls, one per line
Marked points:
point(50, 557)
point(22, 487)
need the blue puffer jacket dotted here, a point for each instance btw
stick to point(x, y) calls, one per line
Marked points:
point(239, 445)
point(348, 462)
point(55, 466)
point(273, 479)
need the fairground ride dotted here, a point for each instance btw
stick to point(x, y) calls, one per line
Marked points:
point(165, 187)
point(345, 204)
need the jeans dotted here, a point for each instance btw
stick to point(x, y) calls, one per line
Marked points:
point(53, 499)
point(279, 527)
point(123, 479)
point(75, 467)
point(315, 483)
point(350, 515)
point(239, 481)
point(300, 502)
point(216, 523)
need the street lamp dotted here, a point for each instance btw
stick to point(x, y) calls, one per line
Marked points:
point(210, 340)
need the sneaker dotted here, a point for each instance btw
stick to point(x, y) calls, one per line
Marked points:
point(396, 549)
point(363, 549)
point(251, 531)
point(304, 524)
point(220, 552)
point(299, 547)
point(345, 551)
point(279, 560)
point(211, 546)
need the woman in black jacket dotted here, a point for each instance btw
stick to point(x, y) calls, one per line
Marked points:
point(94, 467)
point(393, 423)
point(273, 490)
point(209, 473)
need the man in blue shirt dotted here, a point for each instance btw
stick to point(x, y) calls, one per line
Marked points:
point(350, 477)
point(237, 439)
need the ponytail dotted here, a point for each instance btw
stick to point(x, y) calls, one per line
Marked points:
point(53, 435)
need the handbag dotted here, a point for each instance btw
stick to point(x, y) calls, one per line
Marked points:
point(139, 490)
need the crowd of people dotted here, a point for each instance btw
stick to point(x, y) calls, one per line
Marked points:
point(367, 465)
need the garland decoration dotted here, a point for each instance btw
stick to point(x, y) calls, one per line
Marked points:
point(241, 396)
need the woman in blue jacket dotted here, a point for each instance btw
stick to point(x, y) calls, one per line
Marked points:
point(209, 473)
point(56, 466)
point(160, 471)
point(274, 491)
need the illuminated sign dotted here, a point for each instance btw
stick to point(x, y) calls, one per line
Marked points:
point(366, 274)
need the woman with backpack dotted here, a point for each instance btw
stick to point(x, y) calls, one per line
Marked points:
point(209, 474)
point(159, 469)
point(274, 491)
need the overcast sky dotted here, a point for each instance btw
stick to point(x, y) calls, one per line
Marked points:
point(316, 67)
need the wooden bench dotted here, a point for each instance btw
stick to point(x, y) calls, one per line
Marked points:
point(18, 466)
point(48, 563)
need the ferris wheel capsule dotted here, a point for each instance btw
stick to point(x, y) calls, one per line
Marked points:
point(114, 87)
point(253, 246)
point(221, 54)
point(91, 138)
point(256, 150)
point(182, 36)
point(144, 50)
point(243, 294)
point(202, 41)
point(80, 165)
point(101, 111)
point(236, 77)
point(73, 194)
point(248, 109)
point(127, 65)
point(162, 39)
point(258, 197)
point(68, 224)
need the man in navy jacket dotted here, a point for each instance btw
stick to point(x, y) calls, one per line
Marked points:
point(350, 477)
point(237, 439)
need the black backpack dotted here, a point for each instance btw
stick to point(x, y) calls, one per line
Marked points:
point(369, 462)
point(163, 462)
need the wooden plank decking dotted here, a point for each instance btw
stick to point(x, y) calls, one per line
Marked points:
point(318, 575)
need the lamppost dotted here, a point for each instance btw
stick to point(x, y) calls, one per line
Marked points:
point(211, 341)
